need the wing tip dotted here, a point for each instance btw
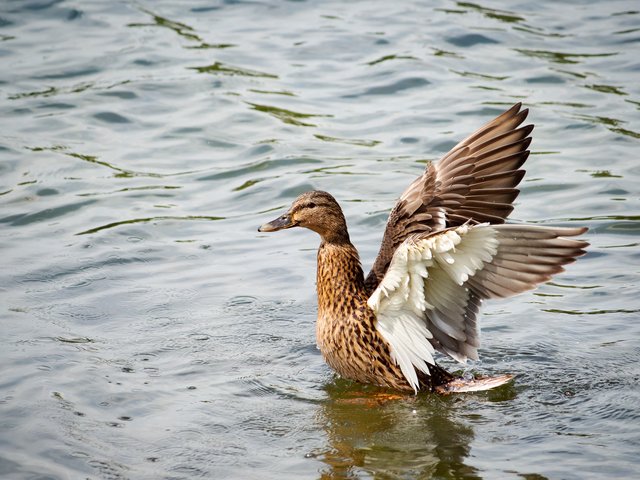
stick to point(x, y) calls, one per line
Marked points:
point(515, 109)
point(527, 129)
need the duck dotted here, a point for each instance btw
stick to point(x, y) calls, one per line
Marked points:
point(446, 248)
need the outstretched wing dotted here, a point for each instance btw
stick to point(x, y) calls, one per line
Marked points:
point(475, 181)
point(432, 291)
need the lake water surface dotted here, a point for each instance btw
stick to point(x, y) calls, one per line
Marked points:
point(148, 331)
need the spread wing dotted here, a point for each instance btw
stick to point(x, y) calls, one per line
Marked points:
point(430, 296)
point(475, 181)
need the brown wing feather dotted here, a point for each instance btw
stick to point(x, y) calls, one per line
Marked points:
point(475, 181)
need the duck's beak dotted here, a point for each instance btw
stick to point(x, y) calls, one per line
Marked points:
point(280, 223)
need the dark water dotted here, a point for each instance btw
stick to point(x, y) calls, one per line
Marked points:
point(148, 331)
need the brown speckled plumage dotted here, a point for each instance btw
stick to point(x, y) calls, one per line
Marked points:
point(345, 330)
point(473, 183)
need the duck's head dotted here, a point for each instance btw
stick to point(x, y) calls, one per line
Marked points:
point(315, 210)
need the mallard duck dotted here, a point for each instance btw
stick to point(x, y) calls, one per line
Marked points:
point(445, 249)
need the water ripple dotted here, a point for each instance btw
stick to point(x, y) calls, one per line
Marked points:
point(150, 331)
point(147, 220)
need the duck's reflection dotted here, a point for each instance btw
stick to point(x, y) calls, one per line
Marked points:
point(373, 433)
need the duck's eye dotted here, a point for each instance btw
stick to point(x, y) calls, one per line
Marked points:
point(311, 205)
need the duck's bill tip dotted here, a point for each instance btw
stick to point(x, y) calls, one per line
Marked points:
point(279, 223)
point(267, 227)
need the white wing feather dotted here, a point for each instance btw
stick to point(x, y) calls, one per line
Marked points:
point(427, 275)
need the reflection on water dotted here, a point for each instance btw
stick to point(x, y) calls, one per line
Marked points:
point(148, 331)
point(219, 68)
point(374, 432)
point(611, 123)
point(287, 116)
point(181, 29)
point(147, 220)
point(561, 57)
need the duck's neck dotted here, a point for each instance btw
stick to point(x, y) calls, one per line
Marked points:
point(340, 280)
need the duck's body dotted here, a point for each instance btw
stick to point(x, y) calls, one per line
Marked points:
point(443, 252)
point(346, 330)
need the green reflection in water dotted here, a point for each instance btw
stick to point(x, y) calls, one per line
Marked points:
point(600, 173)
point(274, 209)
point(262, 165)
point(131, 189)
point(444, 53)
point(568, 104)
point(612, 124)
point(74, 340)
point(182, 29)
point(287, 116)
point(273, 92)
point(386, 58)
point(631, 30)
point(626, 12)
point(38, 93)
point(483, 76)
point(147, 220)
point(451, 10)
point(348, 141)
point(633, 102)
point(561, 57)
point(573, 74)
point(78, 88)
point(249, 183)
point(120, 172)
point(607, 89)
point(221, 68)
point(334, 170)
point(590, 312)
point(80, 156)
point(538, 31)
point(626, 245)
point(204, 46)
point(48, 92)
point(484, 87)
point(631, 218)
point(502, 15)
point(4, 38)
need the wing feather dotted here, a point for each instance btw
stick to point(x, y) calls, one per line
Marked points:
point(431, 294)
point(476, 180)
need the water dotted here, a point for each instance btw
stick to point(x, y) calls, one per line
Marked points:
point(148, 331)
